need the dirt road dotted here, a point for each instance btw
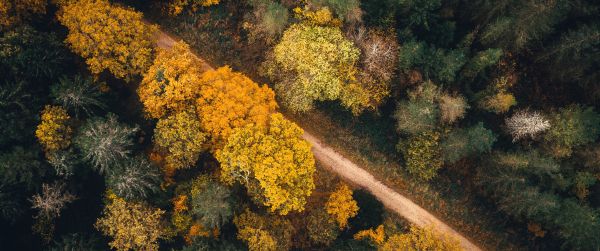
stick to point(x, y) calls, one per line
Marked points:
point(358, 176)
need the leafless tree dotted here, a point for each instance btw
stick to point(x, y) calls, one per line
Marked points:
point(526, 123)
point(52, 200)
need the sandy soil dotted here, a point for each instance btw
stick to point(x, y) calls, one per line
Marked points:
point(350, 172)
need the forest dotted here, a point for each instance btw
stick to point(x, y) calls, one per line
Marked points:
point(194, 124)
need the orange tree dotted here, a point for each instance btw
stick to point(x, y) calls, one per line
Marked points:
point(229, 100)
point(109, 37)
point(274, 163)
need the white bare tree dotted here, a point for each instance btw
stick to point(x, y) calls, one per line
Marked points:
point(526, 123)
point(52, 200)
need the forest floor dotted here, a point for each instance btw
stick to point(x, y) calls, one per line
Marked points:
point(352, 173)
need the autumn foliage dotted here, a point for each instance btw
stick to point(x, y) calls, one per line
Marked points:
point(181, 137)
point(341, 206)
point(230, 100)
point(109, 37)
point(172, 82)
point(54, 131)
point(274, 163)
point(130, 225)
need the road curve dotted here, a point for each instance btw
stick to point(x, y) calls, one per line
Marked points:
point(352, 173)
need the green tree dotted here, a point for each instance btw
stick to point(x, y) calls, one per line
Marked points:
point(572, 126)
point(419, 113)
point(465, 142)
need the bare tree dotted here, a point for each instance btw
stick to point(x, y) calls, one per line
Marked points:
point(526, 123)
point(52, 200)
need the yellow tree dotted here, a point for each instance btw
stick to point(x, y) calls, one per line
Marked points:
point(14, 11)
point(175, 7)
point(313, 63)
point(130, 225)
point(421, 239)
point(341, 206)
point(53, 132)
point(264, 232)
point(171, 84)
point(109, 37)
point(181, 137)
point(229, 100)
point(274, 163)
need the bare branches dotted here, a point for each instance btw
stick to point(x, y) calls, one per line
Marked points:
point(526, 123)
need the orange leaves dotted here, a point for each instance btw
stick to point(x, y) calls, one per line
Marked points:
point(229, 100)
point(341, 206)
point(53, 132)
point(109, 37)
point(377, 235)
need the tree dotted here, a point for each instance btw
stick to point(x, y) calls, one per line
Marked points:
point(181, 136)
point(52, 200)
point(437, 64)
point(311, 63)
point(54, 131)
point(78, 94)
point(422, 154)
point(171, 84)
point(274, 163)
point(49, 205)
point(572, 126)
point(175, 7)
point(63, 161)
point(267, 21)
point(31, 55)
point(13, 12)
point(421, 239)
point(464, 142)
point(341, 206)
point(230, 100)
point(105, 142)
point(525, 22)
point(379, 57)
point(109, 37)
point(321, 227)
point(525, 123)
point(78, 241)
point(211, 203)
point(20, 166)
point(348, 10)
point(130, 225)
point(134, 179)
point(376, 235)
point(419, 113)
point(264, 232)
point(496, 97)
point(452, 108)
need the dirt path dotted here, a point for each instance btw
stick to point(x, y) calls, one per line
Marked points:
point(358, 176)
